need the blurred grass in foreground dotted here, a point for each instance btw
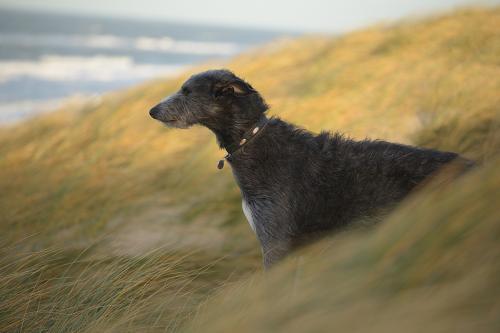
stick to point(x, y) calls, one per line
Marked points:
point(110, 222)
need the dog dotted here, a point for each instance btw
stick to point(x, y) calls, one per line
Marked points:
point(295, 186)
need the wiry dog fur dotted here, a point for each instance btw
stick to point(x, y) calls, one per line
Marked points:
point(295, 185)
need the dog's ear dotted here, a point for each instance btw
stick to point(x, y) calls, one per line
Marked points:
point(236, 88)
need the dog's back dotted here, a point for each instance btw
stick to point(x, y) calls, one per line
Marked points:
point(361, 179)
point(299, 186)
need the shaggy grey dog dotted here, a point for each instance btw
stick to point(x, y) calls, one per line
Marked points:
point(296, 186)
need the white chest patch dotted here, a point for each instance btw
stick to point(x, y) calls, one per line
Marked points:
point(248, 214)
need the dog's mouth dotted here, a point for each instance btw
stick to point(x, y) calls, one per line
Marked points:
point(169, 122)
point(174, 123)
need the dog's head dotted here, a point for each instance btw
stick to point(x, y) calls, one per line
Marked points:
point(215, 98)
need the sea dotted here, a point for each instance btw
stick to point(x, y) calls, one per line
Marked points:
point(47, 59)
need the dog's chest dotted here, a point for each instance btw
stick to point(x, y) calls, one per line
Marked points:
point(247, 210)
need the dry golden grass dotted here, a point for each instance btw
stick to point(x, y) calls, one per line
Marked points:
point(104, 177)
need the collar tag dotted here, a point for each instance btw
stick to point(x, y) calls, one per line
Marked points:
point(220, 165)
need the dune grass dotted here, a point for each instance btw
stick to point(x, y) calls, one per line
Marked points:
point(111, 222)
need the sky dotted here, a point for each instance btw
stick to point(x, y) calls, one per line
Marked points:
point(293, 15)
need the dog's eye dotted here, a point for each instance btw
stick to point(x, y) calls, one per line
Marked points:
point(185, 91)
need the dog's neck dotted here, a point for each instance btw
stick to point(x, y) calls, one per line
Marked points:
point(231, 136)
point(248, 136)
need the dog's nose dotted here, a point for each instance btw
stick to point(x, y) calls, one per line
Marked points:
point(154, 112)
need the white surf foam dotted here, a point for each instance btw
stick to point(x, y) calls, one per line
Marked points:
point(103, 41)
point(95, 68)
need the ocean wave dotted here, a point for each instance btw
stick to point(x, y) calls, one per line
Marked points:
point(167, 44)
point(103, 42)
point(95, 68)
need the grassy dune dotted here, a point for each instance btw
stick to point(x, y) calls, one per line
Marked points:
point(110, 222)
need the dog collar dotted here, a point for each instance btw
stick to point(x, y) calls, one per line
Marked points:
point(247, 137)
